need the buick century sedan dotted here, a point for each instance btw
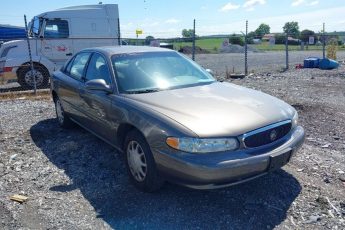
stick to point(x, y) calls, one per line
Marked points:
point(172, 120)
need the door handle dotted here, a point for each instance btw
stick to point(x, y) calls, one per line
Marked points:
point(69, 54)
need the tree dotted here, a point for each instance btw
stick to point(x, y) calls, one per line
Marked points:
point(250, 37)
point(262, 30)
point(187, 33)
point(236, 39)
point(148, 39)
point(292, 29)
point(305, 34)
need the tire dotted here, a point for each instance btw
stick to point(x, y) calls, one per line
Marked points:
point(62, 118)
point(25, 78)
point(140, 163)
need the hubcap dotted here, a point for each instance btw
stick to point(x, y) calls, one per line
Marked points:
point(29, 77)
point(136, 160)
point(59, 112)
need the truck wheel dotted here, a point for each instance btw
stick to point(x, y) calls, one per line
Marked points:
point(26, 80)
point(140, 164)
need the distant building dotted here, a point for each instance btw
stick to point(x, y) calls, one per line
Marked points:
point(267, 37)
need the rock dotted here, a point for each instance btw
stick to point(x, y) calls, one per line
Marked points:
point(326, 180)
point(313, 219)
point(342, 178)
point(13, 157)
point(326, 145)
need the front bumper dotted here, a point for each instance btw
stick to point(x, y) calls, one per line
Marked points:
point(216, 170)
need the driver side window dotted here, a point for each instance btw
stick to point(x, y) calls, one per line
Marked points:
point(98, 69)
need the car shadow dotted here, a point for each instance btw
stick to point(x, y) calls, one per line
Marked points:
point(98, 171)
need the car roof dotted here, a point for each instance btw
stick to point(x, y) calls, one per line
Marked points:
point(111, 50)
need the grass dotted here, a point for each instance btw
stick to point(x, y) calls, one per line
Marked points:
point(210, 44)
point(43, 94)
point(214, 44)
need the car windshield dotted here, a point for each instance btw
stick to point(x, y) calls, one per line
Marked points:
point(154, 71)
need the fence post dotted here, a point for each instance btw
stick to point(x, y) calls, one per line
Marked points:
point(30, 56)
point(246, 50)
point(193, 48)
point(323, 42)
point(287, 51)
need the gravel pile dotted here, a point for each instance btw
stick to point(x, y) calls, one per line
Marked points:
point(233, 48)
point(75, 181)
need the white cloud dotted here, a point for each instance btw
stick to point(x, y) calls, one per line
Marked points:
point(250, 9)
point(172, 21)
point(229, 6)
point(252, 3)
point(297, 2)
point(313, 3)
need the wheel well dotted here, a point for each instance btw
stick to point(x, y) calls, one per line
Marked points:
point(37, 64)
point(122, 132)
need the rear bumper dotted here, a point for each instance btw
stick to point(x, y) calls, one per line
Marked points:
point(216, 170)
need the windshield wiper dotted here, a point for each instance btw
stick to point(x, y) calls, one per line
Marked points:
point(143, 91)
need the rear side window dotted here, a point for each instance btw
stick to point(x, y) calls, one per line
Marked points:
point(77, 66)
point(56, 28)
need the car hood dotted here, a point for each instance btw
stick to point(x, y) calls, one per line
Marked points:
point(217, 109)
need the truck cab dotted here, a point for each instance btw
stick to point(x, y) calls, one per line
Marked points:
point(54, 37)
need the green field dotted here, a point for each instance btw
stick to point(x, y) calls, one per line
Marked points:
point(214, 44)
point(210, 44)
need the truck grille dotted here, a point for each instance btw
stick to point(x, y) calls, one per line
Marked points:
point(266, 135)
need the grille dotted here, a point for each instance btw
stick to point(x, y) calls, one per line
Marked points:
point(267, 135)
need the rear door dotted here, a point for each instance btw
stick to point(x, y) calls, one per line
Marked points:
point(97, 104)
point(70, 83)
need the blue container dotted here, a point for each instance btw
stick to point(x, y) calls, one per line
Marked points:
point(328, 64)
point(311, 62)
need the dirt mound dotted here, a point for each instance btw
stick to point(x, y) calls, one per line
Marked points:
point(189, 50)
point(236, 49)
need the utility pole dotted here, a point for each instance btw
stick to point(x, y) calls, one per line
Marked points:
point(323, 41)
point(246, 51)
point(193, 49)
point(33, 75)
point(287, 51)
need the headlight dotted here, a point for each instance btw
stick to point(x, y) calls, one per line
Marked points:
point(295, 120)
point(202, 145)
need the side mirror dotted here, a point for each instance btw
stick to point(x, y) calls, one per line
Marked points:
point(99, 85)
point(209, 71)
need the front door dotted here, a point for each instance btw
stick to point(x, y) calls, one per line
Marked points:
point(97, 104)
point(56, 44)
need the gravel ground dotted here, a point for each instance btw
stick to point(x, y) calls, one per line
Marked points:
point(257, 62)
point(76, 181)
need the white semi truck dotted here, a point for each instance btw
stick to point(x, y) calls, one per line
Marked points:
point(54, 37)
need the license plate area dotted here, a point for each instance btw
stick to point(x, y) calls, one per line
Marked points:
point(278, 161)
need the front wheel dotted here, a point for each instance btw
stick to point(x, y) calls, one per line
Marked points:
point(140, 163)
point(27, 77)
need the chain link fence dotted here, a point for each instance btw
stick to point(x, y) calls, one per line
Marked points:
point(225, 55)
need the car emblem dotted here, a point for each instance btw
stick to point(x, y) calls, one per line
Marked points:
point(273, 135)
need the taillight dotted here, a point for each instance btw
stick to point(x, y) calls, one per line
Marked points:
point(7, 69)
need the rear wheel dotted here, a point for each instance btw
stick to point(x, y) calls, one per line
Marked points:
point(26, 77)
point(61, 116)
point(140, 163)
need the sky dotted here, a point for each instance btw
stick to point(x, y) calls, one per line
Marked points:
point(162, 18)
